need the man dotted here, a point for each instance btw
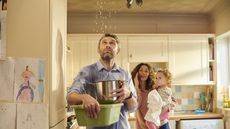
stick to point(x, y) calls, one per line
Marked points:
point(104, 69)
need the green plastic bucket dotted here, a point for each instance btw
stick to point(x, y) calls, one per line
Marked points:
point(108, 115)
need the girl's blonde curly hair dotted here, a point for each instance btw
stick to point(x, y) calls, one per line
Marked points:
point(167, 74)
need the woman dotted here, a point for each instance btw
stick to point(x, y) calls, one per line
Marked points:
point(142, 76)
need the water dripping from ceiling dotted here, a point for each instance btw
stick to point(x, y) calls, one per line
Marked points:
point(103, 18)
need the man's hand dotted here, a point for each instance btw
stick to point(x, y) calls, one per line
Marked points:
point(91, 106)
point(121, 93)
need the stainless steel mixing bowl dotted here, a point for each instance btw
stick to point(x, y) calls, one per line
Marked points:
point(104, 89)
point(101, 90)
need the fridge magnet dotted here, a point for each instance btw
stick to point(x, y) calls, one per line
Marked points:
point(7, 80)
point(8, 115)
point(29, 80)
point(32, 116)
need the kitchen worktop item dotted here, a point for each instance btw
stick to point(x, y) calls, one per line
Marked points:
point(199, 111)
point(102, 90)
point(108, 115)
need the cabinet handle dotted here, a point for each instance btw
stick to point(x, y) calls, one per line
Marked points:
point(130, 55)
point(162, 49)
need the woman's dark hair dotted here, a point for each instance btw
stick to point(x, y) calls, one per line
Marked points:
point(149, 81)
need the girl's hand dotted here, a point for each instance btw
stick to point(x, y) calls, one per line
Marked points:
point(165, 108)
point(155, 86)
point(173, 104)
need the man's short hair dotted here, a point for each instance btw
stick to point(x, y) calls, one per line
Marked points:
point(109, 35)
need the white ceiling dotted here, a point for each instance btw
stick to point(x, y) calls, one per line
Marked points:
point(149, 6)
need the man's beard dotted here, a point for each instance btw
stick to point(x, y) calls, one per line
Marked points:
point(107, 56)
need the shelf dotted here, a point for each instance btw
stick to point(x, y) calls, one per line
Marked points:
point(211, 48)
point(211, 61)
point(212, 83)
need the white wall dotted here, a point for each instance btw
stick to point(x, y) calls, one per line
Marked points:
point(37, 29)
point(28, 32)
point(28, 28)
point(221, 18)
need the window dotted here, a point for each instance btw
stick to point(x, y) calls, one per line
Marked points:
point(223, 67)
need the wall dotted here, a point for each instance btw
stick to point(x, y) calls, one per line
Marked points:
point(27, 29)
point(28, 35)
point(37, 29)
point(141, 23)
point(221, 18)
point(188, 97)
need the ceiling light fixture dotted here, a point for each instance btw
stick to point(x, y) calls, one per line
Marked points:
point(129, 3)
point(138, 2)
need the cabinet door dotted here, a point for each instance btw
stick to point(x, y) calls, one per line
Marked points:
point(122, 57)
point(188, 59)
point(172, 124)
point(91, 48)
point(84, 52)
point(78, 56)
point(148, 49)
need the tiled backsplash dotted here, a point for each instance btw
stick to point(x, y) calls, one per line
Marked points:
point(188, 97)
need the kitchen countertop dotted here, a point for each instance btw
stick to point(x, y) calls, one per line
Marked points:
point(187, 116)
point(184, 116)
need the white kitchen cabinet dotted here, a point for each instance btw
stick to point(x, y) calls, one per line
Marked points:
point(188, 59)
point(92, 41)
point(150, 48)
point(84, 52)
point(122, 58)
point(187, 56)
point(80, 52)
point(172, 124)
point(202, 124)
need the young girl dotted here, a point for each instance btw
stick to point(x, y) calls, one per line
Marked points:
point(160, 100)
